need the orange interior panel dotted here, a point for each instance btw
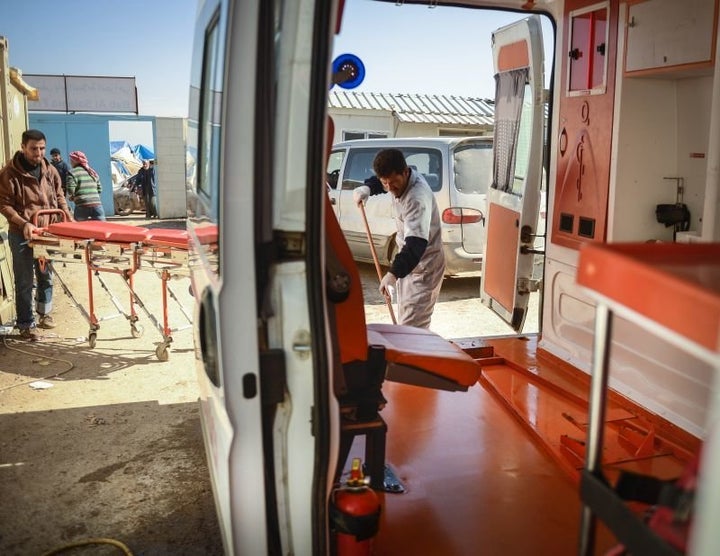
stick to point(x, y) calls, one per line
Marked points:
point(584, 142)
point(502, 248)
point(513, 56)
point(350, 313)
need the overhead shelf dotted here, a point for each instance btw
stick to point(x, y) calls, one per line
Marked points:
point(674, 285)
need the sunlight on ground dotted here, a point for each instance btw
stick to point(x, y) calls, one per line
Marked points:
point(463, 318)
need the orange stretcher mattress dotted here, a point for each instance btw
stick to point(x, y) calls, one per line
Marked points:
point(120, 233)
point(99, 230)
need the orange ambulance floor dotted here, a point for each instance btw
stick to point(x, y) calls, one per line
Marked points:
point(485, 471)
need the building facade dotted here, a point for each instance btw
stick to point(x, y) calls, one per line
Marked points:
point(363, 115)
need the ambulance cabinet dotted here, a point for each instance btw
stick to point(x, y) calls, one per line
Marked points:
point(666, 36)
point(673, 291)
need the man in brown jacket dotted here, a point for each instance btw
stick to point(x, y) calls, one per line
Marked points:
point(29, 183)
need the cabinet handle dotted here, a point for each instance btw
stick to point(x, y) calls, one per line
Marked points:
point(575, 53)
point(601, 49)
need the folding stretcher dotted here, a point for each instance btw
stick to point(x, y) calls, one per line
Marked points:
point(107, 247)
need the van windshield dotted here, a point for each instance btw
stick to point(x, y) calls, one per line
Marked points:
point(473, 167)
point(427, 161)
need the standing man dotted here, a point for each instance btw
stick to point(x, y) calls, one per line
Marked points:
point(419, 265)
point(84, 188)
point(61, 166)
point(150, 190)
point(29, 183)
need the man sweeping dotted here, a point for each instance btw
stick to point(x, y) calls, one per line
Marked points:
point(418, 268)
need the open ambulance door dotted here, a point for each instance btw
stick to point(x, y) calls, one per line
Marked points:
point(514, 195)
point(222, 229)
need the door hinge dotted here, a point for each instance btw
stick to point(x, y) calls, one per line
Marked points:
point(289, 245)
point(527, 285)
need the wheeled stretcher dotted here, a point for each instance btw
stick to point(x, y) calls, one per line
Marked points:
point(121, 249)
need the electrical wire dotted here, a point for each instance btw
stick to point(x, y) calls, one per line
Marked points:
point(86, 542)
point(9, 345)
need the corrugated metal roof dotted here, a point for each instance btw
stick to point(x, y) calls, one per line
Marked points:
point(414, 108)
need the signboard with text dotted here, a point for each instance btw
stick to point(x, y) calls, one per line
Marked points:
point(75, 93)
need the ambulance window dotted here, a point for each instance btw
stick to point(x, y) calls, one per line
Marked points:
point(524, 139)
point(513, 126)
point(210, 118)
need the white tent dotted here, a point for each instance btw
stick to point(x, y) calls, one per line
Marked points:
point(124, 162)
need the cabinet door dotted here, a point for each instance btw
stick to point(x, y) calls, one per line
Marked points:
point(668, 33)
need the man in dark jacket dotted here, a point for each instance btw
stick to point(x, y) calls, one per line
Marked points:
point(150, 190)
point(29, 183)
point(61, 166)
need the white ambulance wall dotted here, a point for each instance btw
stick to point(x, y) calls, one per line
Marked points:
point(645, 152)
point(663, 121)
point(694, 105)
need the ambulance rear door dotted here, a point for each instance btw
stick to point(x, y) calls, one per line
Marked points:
point(514, 195)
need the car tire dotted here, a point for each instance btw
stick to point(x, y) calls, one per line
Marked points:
point(123, 207)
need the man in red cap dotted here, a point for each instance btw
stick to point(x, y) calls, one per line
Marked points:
point(84, 188)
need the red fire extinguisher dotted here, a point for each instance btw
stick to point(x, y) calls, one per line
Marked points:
point(355, 514)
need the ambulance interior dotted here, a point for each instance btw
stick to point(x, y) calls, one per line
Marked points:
point(496, 468)
point(494, 444)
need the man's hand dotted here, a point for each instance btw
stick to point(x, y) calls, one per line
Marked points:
point(386, 283)
point(28, 230)
point(361, 194)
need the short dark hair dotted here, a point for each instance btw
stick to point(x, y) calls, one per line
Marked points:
point(388, 162)
point(55, 151)
point(32, 135)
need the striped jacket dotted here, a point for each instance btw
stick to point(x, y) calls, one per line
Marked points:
point(82, 189)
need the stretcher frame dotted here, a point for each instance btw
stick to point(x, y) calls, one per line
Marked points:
point(105, 247)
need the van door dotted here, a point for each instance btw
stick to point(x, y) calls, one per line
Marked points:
point(514, 194)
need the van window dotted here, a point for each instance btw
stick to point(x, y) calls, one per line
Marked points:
point(333, 168)
point(354, 135)
point(427, 161)
point(473, 167)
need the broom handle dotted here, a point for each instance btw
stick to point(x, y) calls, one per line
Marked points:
point(388, 302)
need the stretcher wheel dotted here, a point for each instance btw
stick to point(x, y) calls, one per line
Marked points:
point(161, 352)
point(136, 330)
point(92, 339)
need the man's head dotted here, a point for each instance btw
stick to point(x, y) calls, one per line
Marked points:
point(392, 170)
point(78, 158)
point(146, 164)
point(33, 146)
point(55, 155)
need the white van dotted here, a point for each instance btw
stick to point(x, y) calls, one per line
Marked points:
point(458, 170)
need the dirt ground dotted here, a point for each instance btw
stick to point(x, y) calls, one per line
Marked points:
point(112, 449)
point(106, 443)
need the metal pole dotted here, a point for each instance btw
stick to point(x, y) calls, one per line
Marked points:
point(596, 415)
